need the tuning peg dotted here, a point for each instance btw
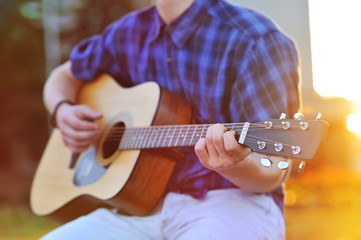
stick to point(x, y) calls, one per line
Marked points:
point(278, 147)
point(296, 149)
point(283, 116)
point(301, 167)
point(266, 162)
point(318, 116)
point(298, 116)
point(261, 144)
point(286, 125)
point(283, 165)
point(304, 125)
point(268, 124)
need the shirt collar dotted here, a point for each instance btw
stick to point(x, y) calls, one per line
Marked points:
point(184, 26)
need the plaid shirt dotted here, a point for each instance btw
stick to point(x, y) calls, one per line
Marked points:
point(231, 64)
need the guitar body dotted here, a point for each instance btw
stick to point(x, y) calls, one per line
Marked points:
point(133, 181)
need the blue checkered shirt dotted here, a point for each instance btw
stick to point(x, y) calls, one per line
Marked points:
point(231, 64)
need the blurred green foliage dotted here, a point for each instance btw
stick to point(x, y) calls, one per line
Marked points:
point(23, 121)
point(20, 223)
point(21, 44)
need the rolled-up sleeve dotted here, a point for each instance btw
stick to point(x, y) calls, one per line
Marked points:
point(96, 55)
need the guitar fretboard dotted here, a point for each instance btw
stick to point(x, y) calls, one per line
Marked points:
point(167, 136)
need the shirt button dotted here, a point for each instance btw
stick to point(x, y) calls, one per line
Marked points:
point(169, 59)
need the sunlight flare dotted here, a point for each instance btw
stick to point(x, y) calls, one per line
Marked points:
point(336, 48)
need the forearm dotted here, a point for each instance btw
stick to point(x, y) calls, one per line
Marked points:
point(61, 85)
point(251, 176)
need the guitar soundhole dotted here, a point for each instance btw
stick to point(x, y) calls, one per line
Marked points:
point(112, 139)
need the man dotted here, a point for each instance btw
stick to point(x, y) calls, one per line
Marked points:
point(233, 65)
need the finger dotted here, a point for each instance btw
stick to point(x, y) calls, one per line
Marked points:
point(80, 136)
point(230, 144)
point(234, 149)
point(203, 154)
point(75, 146)
point(217, 154)
point(86, 113)
point(218, 140)
point(77, 141)
point(82, 118)
point(212, 152)
point(201, 150)
point(80, 124)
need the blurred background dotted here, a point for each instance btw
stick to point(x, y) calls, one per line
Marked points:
point(321, 203)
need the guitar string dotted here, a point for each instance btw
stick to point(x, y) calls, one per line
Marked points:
point(115, 134)
point(169, 134)
point(177, 127)
point(180, 128)
point(250, 139)
point(169, 139)
point(165, 141)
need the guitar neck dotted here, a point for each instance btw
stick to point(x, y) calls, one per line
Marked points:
point(168, 136)
point(282, 137)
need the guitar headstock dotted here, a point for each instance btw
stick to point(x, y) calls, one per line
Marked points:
point(295, 138)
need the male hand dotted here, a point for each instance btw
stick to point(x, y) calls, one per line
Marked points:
point(77, 127)
point(220, 150)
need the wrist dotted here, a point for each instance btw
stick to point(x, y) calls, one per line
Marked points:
point(55, 112)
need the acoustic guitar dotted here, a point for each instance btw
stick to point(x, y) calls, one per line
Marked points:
point(127, 167)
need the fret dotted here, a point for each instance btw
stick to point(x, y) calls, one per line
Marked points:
point(171, 144)
point(147, 132)
point(160, 137)
point(165, 137)
point(134, 140)
point(198, 135)
point(147, 135)
point(204, 128)
point(195, 129)
point(157, 136)
point(140, 138)
point(126, 140)
point(169, 136)
point(185, 135)
point(123, 141)
point(153, 136)
point(131, 139)
point(179, 133)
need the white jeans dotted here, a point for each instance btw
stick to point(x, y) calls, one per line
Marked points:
point(224, 214)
